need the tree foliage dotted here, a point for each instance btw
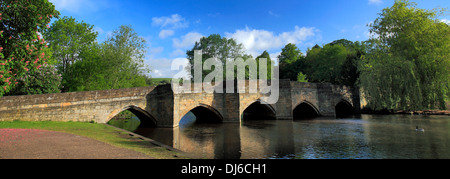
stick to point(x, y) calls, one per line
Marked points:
point(116, 63)
point(21, 46)
point(125, 52)
point(67, 37)
point(302, 77)
point(265, 55)
point(220, 48)
point(291, 62)
point(407, 66)
point(335, 62)
point(325, 64)
point(41, 80)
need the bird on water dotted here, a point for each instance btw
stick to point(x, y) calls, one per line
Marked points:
point(419, 129)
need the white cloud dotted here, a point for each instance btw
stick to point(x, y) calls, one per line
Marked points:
point(376, 2)
point(156, 50)
point(156, 74)
point(99, 30)
point(255, 41)
point(166, 33)
point(446, 21)
point(175, 21)
point(274, 14)
point(178, 68)
point(161, 68)
point(274, 57)
point(177, 53)
point(187, 40)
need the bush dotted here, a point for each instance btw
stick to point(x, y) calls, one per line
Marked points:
point(41, 80)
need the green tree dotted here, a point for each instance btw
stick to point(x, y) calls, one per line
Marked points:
point(349, 71)
point(291, 62)
point(89, 72)
point(302, 77)
point(67, 37)
point(325, 64)
point(265, 55)
point(125, 51)
point(215, 46)
point(407, 65)
point(116, 63)
point(21, 47)
point(41, 80)
point(337, 62)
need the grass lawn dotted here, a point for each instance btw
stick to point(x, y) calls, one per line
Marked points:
point(159, 81)
point(98, 132)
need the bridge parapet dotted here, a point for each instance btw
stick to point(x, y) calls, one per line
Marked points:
point(77, 106)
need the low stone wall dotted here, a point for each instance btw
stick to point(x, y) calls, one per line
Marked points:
point(77, 106)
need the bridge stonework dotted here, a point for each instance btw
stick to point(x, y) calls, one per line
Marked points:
point(97, 106)
point(164, 108)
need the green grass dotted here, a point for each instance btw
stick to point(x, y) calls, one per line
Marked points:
point(161, 79)
point(98, 132)
point(158, 81)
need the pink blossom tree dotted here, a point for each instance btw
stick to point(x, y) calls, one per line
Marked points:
point(21, 46)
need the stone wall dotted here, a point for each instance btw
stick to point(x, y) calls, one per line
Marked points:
point(98, 106)
point(324, 96)
point(226, 104)
point(160, 104)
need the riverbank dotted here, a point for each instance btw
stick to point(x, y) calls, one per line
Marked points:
point(425, 112)
point(103, 133)
point(419, 112)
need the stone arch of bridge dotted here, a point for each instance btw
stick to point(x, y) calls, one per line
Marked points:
point(204, 114)
point(147, 120)
point(344, 109)
point(305, 110)
point(259, 110)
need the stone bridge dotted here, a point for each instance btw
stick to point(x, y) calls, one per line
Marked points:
point(159, 106)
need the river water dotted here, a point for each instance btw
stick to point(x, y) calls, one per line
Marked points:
point(363, 137)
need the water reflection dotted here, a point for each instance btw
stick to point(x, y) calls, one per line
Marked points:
point(391, 136)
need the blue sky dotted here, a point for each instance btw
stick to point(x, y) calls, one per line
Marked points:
point(172, 26)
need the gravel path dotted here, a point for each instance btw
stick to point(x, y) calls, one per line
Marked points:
point(42, 144)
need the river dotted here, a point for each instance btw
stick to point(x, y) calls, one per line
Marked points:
point(363, 137)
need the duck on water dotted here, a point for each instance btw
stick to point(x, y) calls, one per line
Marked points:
point(419, 129)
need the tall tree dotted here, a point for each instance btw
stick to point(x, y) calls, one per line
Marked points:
point(336, 62)
point(265, 55)
point(407, 65)
point(116, 63)
point(291, 62)
point(88, 73)
point(349, 71)
point(125, 51)
point(215, 46)
point(21, 46)
point(67, 37)
point(325, 64)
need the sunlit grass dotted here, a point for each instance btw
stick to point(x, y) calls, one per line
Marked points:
point(98, 132)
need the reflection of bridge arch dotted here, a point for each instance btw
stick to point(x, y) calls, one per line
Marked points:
point(147, 120)
point(204, 114)
point(259, 110)
point(305, 110)
point(344, 109)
